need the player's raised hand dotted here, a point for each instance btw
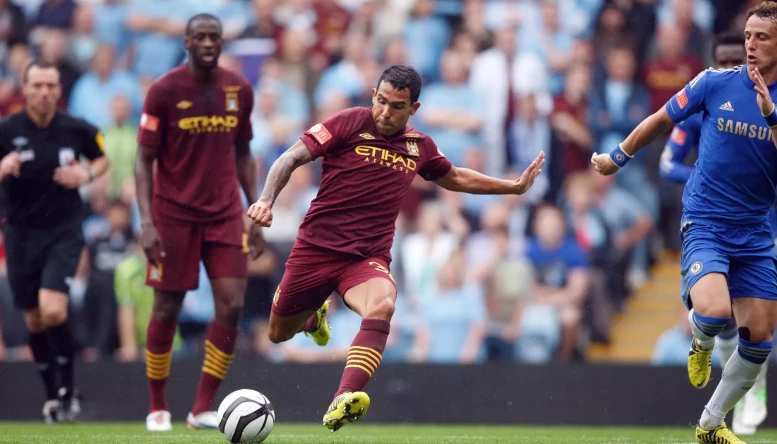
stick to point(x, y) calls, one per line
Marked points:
point(151, 243)
point(71, 176)
point(261, 213)
point(530, 174)
point(11, 165)
point(764, 98)
point(603, 164)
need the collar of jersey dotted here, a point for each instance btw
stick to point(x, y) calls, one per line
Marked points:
point(750, 84)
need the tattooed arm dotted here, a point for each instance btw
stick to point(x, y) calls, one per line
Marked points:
point(277, 178)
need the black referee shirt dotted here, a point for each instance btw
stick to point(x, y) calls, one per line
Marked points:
point(33, 199)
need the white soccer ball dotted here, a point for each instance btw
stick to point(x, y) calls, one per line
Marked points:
point(246, 416)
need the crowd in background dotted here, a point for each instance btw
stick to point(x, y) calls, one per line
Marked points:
point(533, 278)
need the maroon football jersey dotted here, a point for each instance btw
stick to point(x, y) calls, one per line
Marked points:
point(194, 130)
point(365, 178)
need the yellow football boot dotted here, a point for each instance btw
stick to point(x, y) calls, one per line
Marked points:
point(322, 333)
point(346, 409)
point(699, 365)
point(719, 435)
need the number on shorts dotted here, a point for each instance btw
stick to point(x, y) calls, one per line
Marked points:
point(383, 269)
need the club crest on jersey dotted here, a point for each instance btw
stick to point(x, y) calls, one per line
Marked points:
point(412, 147)
point(232, 101)
point(184, 104)
point(155, 273)
point(696, 267)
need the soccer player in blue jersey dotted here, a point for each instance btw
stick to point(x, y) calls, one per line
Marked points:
point(728, 255)
point(728, 51)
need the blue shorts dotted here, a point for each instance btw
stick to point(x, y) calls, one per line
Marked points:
point(745, 255)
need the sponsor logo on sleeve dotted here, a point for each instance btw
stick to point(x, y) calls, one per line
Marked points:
point(682, 99)
point(320, 133)
point(149, 122)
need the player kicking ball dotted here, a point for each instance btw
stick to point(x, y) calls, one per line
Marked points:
point(370, 157)
point(728, 51)
point(728, 254)
point(196, 127)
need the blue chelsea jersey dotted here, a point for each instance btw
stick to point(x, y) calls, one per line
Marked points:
point(736, 172)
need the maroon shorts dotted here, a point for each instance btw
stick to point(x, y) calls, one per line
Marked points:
point(313, 273)
point(222, 247)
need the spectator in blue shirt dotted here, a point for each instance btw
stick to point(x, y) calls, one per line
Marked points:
point(93, 93)
point(562, 276)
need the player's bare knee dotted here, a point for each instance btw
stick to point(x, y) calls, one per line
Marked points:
point(277, 335)
point(382, 307)
point(167, 306)
point(712, 307)
point(229, 310)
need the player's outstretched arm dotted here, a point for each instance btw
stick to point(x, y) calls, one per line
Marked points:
point(764, 100)
point(277, 178)
point(645, 133)
point(464, 180)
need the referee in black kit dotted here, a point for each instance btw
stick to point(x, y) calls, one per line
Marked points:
point(41, 174)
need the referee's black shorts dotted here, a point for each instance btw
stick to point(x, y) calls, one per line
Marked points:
point(41, 258)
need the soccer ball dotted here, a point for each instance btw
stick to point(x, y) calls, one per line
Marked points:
point(246, 416)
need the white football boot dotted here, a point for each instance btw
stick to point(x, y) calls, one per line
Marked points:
point(159, 421)
point(205, 420)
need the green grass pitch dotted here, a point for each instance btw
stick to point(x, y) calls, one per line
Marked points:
point(135, 433)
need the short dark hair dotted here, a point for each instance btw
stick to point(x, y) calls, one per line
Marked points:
point(37, 63)
point(201, 16)
point(728, 38)
point(767, 10)
point(403, 77)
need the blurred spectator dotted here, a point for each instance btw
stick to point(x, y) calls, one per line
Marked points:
point(13, 27)
point(425, 251)
point(332, 22)
point(108, 26)
point(11, 98)
point(473, 23)
point(157, 27)
point(95, 91)
point(529, 134)
point(258, 41)
point(554, 45)
point(344, 77)
point(671, 69)
point(562, 278)
point(452, 317)
point(54, 50)
point(629, 223)
point(426, 37)
point(120, 146)
point(617, 105)
point(57, 14)
point(472, 205)
point(612, 31)
point(107, 248)
point(452, 112)
point(569, 123)
point(696, 42)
